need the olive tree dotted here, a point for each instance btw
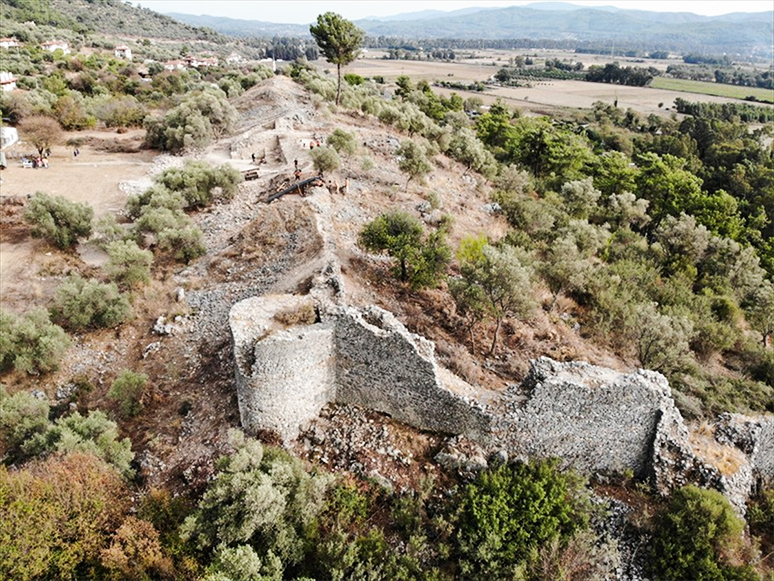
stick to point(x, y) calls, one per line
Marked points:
point(325, 159)
point(412, 160)
point(343, 142)
point(262, 498)
point(421, 259)
point(662, 340)
point(339, 40)
point(493, 283)
point(195, 122)
point(468, 149)
point(760, 314)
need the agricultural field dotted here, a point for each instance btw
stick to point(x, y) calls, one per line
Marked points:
point(542, 97)
point(717, 89)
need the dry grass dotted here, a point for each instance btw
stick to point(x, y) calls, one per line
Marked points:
point(727, 459)
point(301, 315)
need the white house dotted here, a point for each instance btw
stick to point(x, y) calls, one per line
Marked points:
point(9, 43)
point(8, 136)
point(234, 58)
point(123, 52)
point(53, 45)
point(196, 62)
point(176, 65)
point(7, 81)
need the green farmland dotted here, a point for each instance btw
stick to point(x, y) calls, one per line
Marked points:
point(717, 89)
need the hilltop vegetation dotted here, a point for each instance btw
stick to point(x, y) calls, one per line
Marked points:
point(646, 239)
point(109, 17)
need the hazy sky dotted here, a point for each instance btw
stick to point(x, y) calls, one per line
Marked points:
point(306, 11)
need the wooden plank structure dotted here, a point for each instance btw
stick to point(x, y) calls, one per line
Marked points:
point(250, 174)
point(298, 186)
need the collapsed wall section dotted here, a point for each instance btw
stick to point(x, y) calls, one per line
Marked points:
point(381, 366)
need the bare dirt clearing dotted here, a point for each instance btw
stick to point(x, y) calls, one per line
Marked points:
point(94, 177)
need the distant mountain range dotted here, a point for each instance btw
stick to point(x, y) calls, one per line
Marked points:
point(731, 33)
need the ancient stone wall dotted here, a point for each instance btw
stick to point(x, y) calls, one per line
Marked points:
point(752, 435)
point(381, 366)
point(285, 376)
point(595, 419)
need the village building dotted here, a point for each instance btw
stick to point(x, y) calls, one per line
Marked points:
point(9, 43)
point(123, 52)
point(54, 45)
point(234, 58)
point(7, 81)
point(196, 62)
point(8, 137)
point(174, 65)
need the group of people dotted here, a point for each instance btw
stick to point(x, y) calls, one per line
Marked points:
point(35, 161)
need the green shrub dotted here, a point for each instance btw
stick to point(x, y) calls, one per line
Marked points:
point(510, 512)
point(58, 220)
point(185, 243)
point(694, 537)
point(108, 230)
point(421, 259)
point(157, 196)
point(760, 515)
point(23, 422)
point(242, 562)
point(127, 390)
point(94, 434)
point(128, 264)
point(31, 343)
point(325, 159)
point(354, 79)
point(157, 219)
point(123, 111)
point(198, 182)
point(27, 433)
point(81, 303)
point(72, 114)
